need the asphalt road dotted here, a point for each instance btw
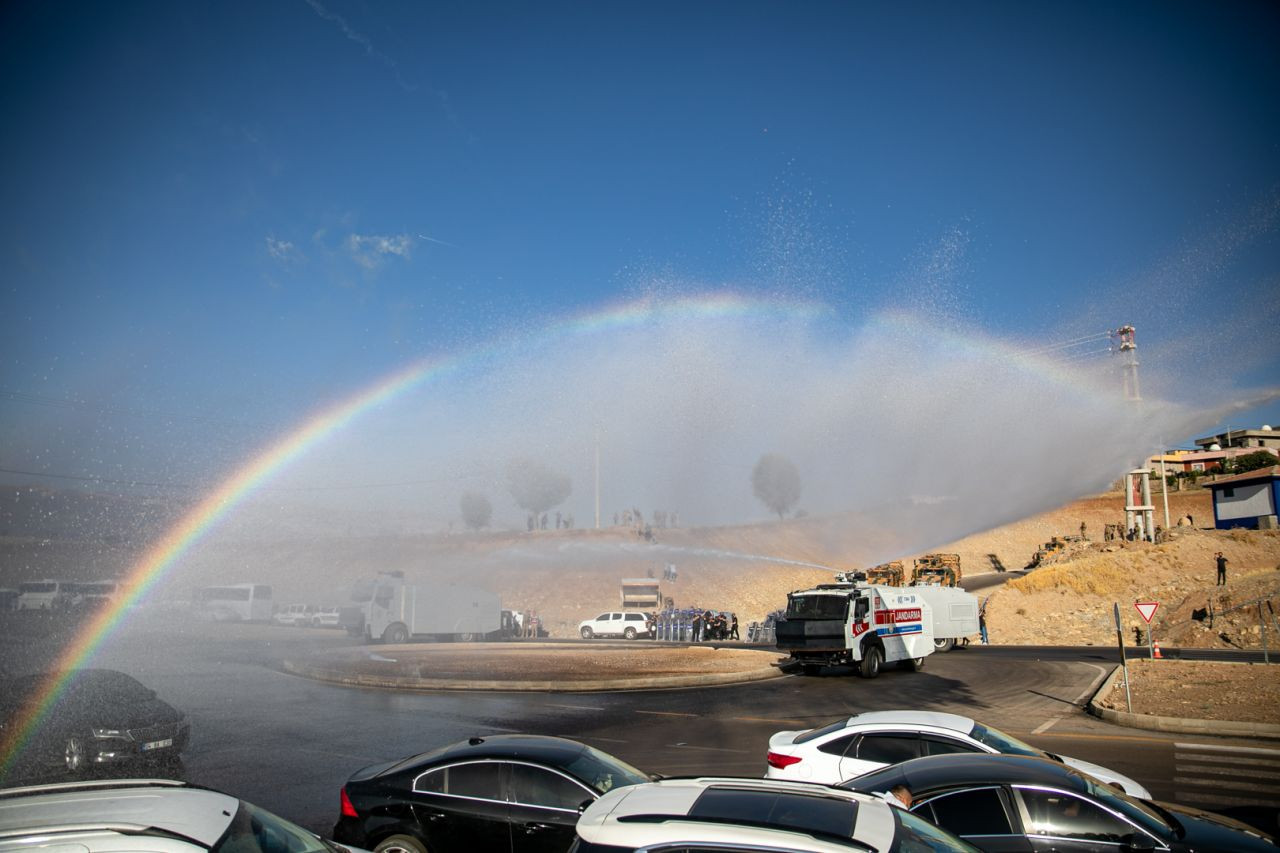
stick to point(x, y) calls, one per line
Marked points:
point(288, 744)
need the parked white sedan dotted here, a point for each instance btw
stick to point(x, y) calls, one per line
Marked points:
point(856, 745)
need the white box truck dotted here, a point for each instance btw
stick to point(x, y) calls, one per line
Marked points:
point(391, 611)
point(955, 614)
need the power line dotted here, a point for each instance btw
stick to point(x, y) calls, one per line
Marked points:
point(76, 404)
point(205, 486)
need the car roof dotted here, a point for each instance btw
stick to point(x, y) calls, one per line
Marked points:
point(195, 813)
point(955, 722)
point(945, 771)
point(556, 751)
point(659, 812)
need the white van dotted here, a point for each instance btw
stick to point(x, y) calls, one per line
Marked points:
point(627, 624)
point(44, 595)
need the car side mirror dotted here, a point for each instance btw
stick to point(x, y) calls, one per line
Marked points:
point(1137, 842)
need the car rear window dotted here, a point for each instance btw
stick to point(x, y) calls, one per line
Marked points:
point(604, 772)
point(253, 830)
point(805, 812)
point(805, 737)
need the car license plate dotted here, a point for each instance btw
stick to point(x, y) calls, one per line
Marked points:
point(157, 744)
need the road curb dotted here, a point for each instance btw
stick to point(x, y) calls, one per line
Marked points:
point(1180, 725)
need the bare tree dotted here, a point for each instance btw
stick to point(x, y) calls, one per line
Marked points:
point(776, 483)
point(476, 510)
point(535, 487)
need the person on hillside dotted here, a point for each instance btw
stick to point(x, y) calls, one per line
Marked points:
point(982, 621)
point(1222, 568)
point(1082, 531)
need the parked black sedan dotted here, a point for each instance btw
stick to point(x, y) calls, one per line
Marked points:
point(99, 718)
point(1023, 803)
point(518, 793)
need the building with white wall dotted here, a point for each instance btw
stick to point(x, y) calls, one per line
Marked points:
point(1247, 500)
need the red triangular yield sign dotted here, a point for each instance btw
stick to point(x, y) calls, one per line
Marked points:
point(1147, 609)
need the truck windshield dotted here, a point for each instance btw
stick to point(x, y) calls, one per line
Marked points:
point(817, 607)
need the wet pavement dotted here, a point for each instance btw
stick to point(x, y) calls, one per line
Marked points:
point(288, 743)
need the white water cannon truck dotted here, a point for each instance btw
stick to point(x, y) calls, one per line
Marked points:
point(868, 625)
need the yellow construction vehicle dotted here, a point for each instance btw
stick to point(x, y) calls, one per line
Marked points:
point(940, 569)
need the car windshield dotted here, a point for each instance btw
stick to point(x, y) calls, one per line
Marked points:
point(817, 606)
point(1134, 808)
point(1001, 742)
point(604, 772)
point(254, 830)
point(917, 835)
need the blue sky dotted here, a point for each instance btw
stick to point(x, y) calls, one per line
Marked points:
point(218, 216)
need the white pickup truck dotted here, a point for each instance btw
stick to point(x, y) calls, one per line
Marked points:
point(851, 622)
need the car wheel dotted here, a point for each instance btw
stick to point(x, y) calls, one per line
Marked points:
point(587, 633)
point(468, 638)
point(74, 755)
point(629, 634)
point(944, 645)
point(871, 660)
point(400, 844)
point(395, 634)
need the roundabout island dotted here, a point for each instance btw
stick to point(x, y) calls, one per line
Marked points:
point(539, 667)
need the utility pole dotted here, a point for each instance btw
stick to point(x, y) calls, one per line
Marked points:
point(1138, 511)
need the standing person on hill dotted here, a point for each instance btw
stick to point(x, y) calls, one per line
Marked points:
point(1222, 568)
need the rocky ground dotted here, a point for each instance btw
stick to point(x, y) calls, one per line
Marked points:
point(1200, 690)
point(1071, 602)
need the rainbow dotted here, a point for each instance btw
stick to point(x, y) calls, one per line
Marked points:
point(200, 520)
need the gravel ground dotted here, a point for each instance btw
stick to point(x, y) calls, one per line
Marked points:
point(1201, 690)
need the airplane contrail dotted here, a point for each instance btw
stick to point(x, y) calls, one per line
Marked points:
point(434, 240)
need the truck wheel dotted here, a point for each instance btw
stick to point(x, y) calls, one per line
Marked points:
point(872, 657)
point(944, 645)
point(629, 634)
point(467, 638)
point(913, 664)
point(395, 634)
point(586, 633)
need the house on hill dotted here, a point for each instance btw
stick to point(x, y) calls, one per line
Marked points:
point(1248, 438)
point(1247, 500)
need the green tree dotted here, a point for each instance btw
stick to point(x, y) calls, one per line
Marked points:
point(776, 483)
point(535, 487)
point(476, 510)
point(1250, 462)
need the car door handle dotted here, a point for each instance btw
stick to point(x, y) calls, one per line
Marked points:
point(435, 816)
point(531, 828)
